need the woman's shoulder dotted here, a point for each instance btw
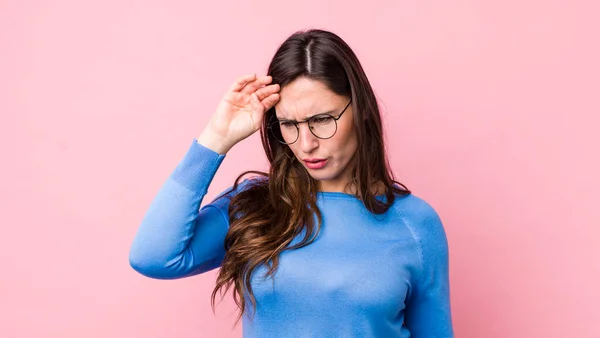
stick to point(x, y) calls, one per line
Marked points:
point(423, 219)
point(243, 184)
point(256, 180)
point(413, 204)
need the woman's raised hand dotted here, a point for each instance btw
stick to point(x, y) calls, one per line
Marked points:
point(240, 112)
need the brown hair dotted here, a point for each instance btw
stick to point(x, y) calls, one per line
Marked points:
point(277, 206)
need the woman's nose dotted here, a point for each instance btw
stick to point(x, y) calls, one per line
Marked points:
point(308, 142)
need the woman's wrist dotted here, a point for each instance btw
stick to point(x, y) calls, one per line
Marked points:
point(213, 142)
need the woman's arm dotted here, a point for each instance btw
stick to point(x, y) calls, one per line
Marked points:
point(175, 238)
point(427, 313)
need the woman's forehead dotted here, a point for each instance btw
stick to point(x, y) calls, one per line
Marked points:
point(303, 98)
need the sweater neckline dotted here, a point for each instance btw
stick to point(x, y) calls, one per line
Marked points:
point(343, 195)
point(335, 194)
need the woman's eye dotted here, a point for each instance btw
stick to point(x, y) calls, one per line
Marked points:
point(322, 119)
point(286, 124)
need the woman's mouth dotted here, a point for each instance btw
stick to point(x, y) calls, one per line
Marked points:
point(315, 163)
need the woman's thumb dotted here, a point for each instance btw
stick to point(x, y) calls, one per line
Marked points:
point(256, 105)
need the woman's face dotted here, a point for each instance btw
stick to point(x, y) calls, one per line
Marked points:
point(329, 161)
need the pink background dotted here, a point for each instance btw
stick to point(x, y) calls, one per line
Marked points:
point(491, 109)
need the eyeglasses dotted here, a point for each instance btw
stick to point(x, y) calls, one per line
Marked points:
point(323, 126)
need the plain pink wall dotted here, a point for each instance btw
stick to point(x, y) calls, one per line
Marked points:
point(491, 110)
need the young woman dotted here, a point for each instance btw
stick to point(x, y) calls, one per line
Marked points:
point(327, 243)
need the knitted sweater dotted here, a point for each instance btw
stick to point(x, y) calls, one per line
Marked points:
point(365, 275)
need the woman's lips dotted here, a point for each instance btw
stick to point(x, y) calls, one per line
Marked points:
point(315, 163)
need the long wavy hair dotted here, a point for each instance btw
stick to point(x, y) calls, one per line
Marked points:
point(277, 206)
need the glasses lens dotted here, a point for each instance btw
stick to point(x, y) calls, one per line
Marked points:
point(284, 132)
point(323, 126)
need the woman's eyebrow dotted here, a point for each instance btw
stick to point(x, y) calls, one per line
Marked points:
point(330, 112)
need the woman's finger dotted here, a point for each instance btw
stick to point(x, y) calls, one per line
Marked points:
point(255, 103)
point(270, 101)
point(252, 86)
point(241, 82)
point(264, 92)
point(237, 98)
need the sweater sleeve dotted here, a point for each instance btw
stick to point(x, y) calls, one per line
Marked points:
point(176, 238)
point(427, 313)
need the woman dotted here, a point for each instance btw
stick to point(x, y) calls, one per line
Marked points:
point(326, 244)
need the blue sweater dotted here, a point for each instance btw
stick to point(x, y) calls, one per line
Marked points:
point(366, 275)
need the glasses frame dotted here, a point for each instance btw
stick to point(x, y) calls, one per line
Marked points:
point(296, 124)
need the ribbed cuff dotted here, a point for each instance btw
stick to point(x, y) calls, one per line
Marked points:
point(198, 167)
